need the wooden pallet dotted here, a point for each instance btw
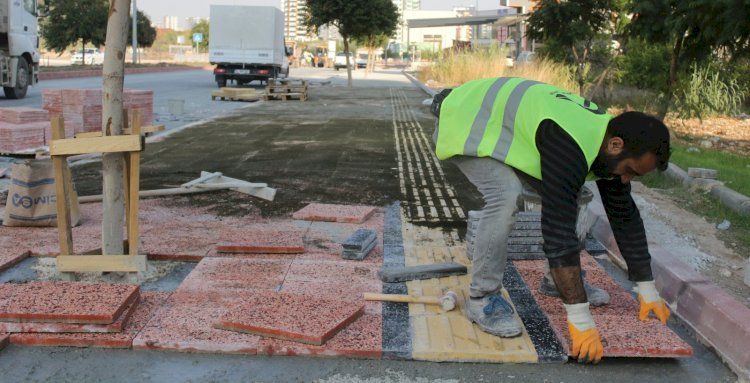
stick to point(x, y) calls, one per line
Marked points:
point(235, 94)
point(285, 96)
point(287, 82)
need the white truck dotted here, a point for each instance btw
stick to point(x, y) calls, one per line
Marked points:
point(246, 43)
point(19, 46)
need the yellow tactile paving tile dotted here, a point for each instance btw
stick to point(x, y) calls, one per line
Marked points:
point(449, 336)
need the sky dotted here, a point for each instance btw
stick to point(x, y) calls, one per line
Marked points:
point(157, 9)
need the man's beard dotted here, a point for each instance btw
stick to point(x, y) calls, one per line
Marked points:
point(605, 164)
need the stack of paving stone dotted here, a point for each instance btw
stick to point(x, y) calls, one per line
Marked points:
point(22, 129)
point(43, 308)
point(82, 108)
point(359, 244)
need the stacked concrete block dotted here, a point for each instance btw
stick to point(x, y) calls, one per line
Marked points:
point(22, 129)
point(82, 108)
point(359, 244)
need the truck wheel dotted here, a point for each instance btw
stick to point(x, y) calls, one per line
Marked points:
point(22, 81)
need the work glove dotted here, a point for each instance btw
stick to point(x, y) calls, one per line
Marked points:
point(651, 301)
point(587, 344)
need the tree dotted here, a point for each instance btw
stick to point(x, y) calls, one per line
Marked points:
point(146, 33)
point(694, 29)
point(71, 21)
point(113, 79)
point(201, 27)
point(353, 18)
point(372, 42)
point(573, 25)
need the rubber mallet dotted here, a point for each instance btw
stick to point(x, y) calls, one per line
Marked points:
point(447, 301)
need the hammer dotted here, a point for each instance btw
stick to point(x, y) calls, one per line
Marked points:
point(447, 301)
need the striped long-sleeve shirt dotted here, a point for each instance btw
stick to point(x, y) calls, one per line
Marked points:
point(564, 171)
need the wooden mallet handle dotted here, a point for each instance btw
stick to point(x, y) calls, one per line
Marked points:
point(402, 298)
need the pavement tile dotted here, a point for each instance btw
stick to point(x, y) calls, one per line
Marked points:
point(343, 291)
point(185, 324)
point(300, 318)
point(9, 260)
point(148, 305)
point(40, 327)
point(351, 272)
point(67, 302)
point(361, 339)
point(260, 240)
point(618, 323)
point(334, 213)
point(231, 275)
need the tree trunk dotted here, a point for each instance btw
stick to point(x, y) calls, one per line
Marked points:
point(672, 80)
point(348, 65)
point(113, 76)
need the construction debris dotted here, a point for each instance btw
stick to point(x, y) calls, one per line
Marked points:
point(235, 94)
point(710, 174)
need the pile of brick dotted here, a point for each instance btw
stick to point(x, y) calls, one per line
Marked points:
point(82, 108)
point(22, 129)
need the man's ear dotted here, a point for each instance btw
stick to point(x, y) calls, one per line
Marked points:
point(614, 146)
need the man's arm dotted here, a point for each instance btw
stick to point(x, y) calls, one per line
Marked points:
point(627, 227)
point(564, 171)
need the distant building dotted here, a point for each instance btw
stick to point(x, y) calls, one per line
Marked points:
point(294, 27)
point(172, 22)
point(192, 21)
point(404, 6)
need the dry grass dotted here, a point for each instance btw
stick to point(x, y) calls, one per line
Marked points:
point(454, 69)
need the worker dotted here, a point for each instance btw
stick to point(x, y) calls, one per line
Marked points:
point(504, 133)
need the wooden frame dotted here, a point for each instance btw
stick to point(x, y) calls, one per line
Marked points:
point(131, 146)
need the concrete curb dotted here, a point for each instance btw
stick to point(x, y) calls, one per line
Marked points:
point(732, 199)
point(419, 84)
point(718, 319)
point(98, 72)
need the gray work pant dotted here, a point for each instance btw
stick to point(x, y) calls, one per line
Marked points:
point(501, 189)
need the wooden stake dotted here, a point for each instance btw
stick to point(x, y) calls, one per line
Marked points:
point(134, 180)
point(62, 174)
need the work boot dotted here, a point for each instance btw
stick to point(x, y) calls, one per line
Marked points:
point(494, 315)
point(595, 295)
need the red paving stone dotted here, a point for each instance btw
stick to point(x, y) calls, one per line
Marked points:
point(37, 327)
point(623, 334)
point(342, 271)
point(361, 339)
point(9, 260)
point(298, 318)
point(68, 302)
point(334, 213)
point(149, 304)
point(261, 240)
point(344, 291)
point(232, 275)
point(185, 324)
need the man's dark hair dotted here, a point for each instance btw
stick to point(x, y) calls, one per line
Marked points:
point(642, 134)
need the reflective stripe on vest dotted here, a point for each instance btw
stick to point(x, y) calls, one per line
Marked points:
point(503, 126)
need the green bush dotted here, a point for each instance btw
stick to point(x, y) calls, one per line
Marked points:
point(645, 66)
point(704, 93)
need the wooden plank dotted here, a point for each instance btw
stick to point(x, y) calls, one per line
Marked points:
point(60, 164)
point(133, 160)
point(101, 263)
point(107, 144)
point(98, 133)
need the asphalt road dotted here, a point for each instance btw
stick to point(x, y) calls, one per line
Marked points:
point(19, 363)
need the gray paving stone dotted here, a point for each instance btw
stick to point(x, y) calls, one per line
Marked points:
point(410, 273)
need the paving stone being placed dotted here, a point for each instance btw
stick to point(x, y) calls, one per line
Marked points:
point(41, 327)
point(410, 273)
point(185, 324)
point(298, 318)
point(334, 213)
point(66, 302)
point(623, 334)
point(148, 305)
point(253, 240)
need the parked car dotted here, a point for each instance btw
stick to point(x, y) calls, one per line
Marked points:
point(340, 61)
point(362, 60)
point(92, 56)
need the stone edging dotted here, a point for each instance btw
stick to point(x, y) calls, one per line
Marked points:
point(732, 199)
point(98, 72)
point(716, 317)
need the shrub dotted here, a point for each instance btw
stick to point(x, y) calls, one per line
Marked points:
point(645, 66)
point(705, 93)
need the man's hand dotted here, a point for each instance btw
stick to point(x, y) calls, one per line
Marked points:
point(587, 344)
point(651, 301)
